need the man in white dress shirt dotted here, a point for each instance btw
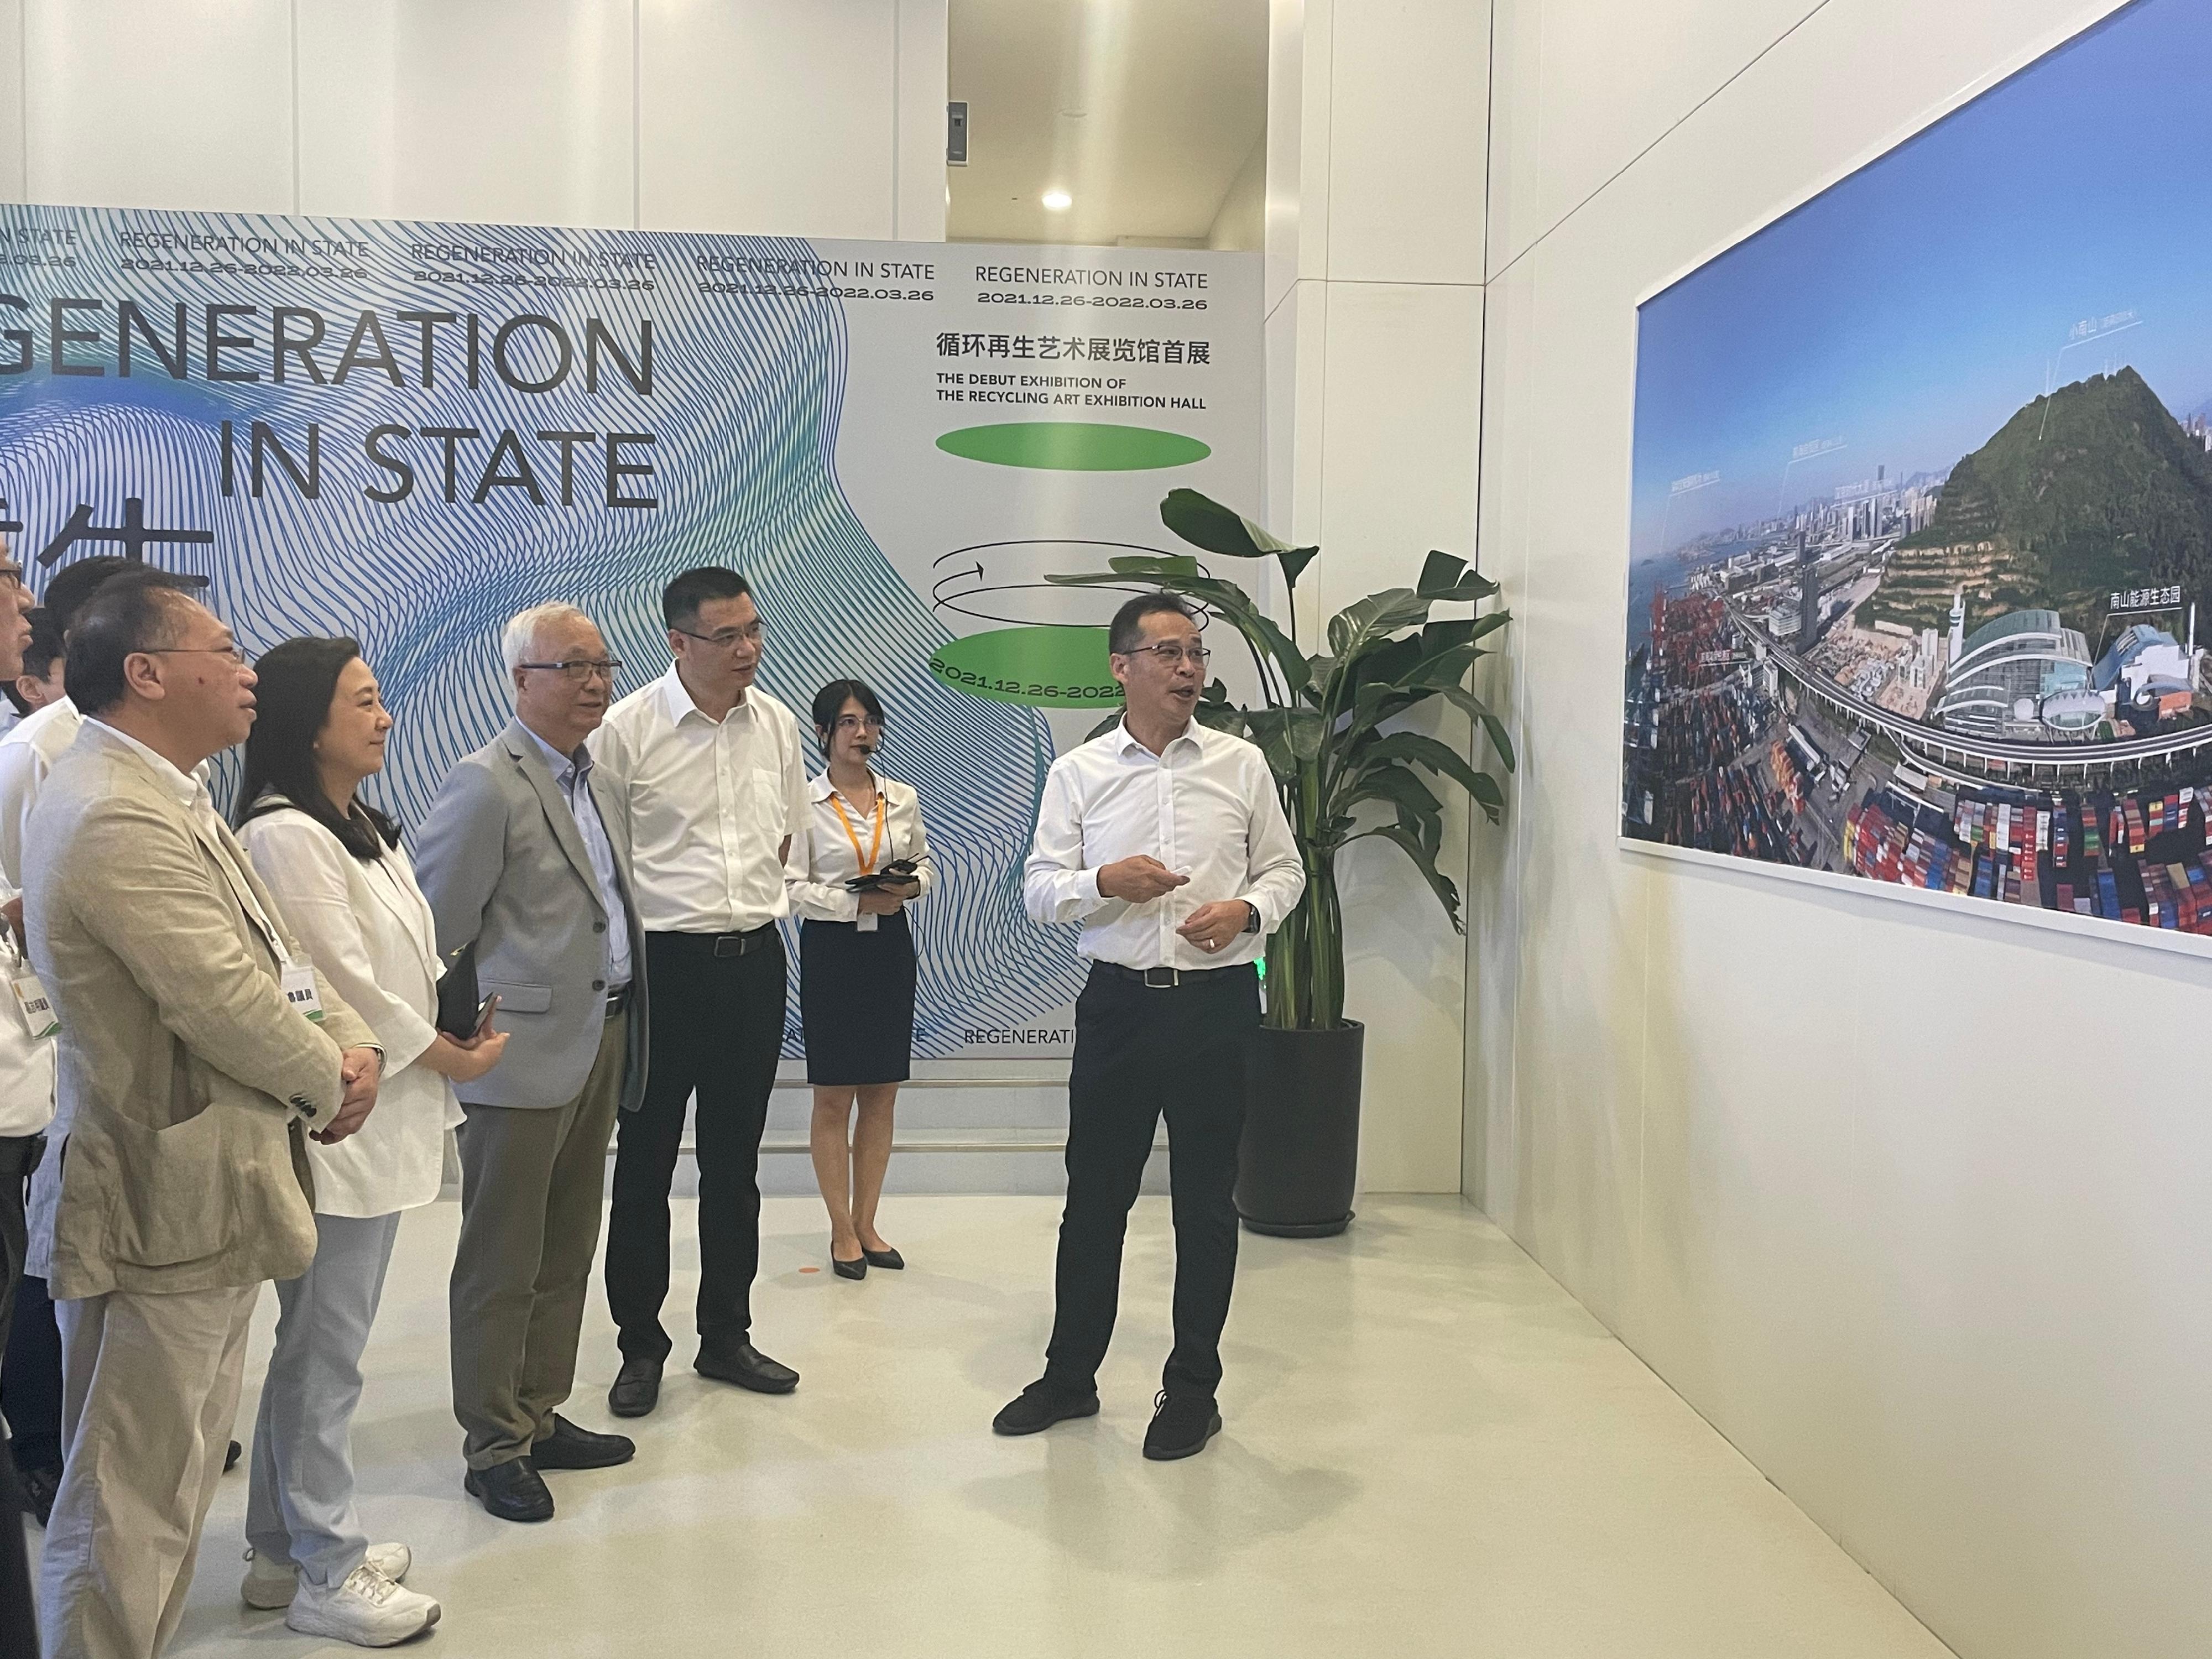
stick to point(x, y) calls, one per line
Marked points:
point(715, 772)
point(1167, 840)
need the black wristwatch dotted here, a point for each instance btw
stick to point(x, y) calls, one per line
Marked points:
point(1252, 921)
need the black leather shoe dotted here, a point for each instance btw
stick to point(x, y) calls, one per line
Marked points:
point(1181, 1424)
point(888, 1259)
point(571, 1448)
point(510, 1491)
point(637, 1388)
point(39, 1485)
point(1039, 1405)
point(747, 1366)
point(856, 1268)
point(230, 1458)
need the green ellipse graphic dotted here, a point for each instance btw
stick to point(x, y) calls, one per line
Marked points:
point(1042, 667)
point(1073, 446)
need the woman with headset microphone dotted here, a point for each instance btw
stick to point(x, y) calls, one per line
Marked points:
point(862, 859)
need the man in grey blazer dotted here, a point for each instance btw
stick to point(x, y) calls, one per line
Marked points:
point(525, 855)
point(197, 1043)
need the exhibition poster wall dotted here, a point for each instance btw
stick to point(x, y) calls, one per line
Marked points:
point(408, 432)
point(1921, 543)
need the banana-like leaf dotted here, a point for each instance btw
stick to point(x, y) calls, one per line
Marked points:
point(1440, 759)
point(1377, 617)
point(1204, 522)
point(1445, 578)
point(1398, 786)
point(1307, 728)
point(1270, 729)
point(1480, 710)
point(1104, 726)
point(1425, 860)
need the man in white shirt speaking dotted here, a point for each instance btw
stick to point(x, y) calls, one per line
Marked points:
point(1167, 840)
point(715, 776)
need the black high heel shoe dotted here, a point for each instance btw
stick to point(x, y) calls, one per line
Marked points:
point(887, 1258)
point(850, 1269)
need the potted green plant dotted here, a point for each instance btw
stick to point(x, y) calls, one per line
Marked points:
point(1321, 726)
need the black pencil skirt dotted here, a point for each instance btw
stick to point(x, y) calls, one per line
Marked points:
point(856, 1000)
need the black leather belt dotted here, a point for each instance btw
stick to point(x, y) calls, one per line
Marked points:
point(618, 1002)
point(1168, 979)
point(744, 944)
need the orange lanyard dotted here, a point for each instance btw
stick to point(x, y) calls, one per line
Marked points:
point(868, 861)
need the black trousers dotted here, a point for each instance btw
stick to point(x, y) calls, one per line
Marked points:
point(1138, 1053)
point(717, 1029)
point(31, 1378)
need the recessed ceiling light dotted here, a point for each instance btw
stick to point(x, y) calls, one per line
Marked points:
point(1058, 201)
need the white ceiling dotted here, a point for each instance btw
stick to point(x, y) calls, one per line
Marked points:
point(1143, 111)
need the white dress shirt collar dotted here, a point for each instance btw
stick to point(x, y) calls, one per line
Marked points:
point(677, 703)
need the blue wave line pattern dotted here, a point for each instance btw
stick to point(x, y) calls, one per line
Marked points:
point(747, 400)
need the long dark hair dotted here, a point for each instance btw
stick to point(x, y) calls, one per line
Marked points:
point(299, 679)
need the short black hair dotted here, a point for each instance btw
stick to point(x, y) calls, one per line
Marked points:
point(69, 588)
point(829, 702)
point(123, 617)
point(1127, 632)
point(38, 656)
point(681, 599)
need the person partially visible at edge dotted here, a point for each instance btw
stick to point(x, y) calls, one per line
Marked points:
point(856, 965)
point(39, 676)
point(198, 1046)
point(31, 1373)
point(344, 884)
point(526, 857)
point(26, 1108)
point(1166, 841)
point(714, 773)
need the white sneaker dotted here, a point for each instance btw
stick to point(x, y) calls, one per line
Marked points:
point(271, 1584)
point(368, 1610)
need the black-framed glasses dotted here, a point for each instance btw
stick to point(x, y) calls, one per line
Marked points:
point(1168, 654)
point(235, 652)
point(727, 639)
point(578, 669)
point(11, 576)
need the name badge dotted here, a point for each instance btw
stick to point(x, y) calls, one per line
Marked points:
point(299, 986)
point(35, 1006)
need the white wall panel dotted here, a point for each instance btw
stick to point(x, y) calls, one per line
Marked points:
point(12, 125)
point(1585, 85)
point(1409, 101)
point(1397, 477)
point(767, 119)
point(1909, 1204)
point(159, 103)
point(918, 156)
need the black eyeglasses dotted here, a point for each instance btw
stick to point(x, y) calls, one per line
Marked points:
point(235, 652)
point(11, 578)
point(1168, 654)
point(728, 640)
point(580, 669)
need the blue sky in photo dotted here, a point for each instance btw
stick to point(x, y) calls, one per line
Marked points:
point(1913, 308)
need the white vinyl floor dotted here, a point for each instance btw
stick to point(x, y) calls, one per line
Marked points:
point(1430, 1449)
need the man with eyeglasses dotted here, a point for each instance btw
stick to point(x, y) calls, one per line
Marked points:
point(524, 856)
point(31, 1373)
point(715, 775)
point(196, 1042)
point(1167, 842)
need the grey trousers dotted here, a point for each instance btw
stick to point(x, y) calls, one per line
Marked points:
point(531, 1186)
point(149, 1389)
point(299, 1506)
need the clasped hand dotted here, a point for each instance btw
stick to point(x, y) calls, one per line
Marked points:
point(1141, 879)
point(360, 1070)
point(885, 900)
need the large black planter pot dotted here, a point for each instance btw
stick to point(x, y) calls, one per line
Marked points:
point(1300, 1155)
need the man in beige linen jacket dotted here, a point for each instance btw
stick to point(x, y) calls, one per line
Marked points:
point(186, 1078)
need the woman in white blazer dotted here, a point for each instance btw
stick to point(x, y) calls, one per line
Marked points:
point(335, 865)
